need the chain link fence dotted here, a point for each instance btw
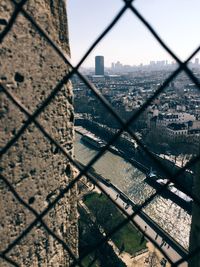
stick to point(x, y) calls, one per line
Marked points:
point(124, 126)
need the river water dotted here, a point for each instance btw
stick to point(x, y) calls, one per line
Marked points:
point(173, 219)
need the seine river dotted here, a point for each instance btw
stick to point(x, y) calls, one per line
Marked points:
point(130, 180)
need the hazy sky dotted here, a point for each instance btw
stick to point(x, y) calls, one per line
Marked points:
point(176, 21)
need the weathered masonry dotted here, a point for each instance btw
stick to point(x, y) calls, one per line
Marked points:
point(30, 69)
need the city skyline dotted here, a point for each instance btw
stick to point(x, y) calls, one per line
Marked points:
point(152, 63)
point(130, 42)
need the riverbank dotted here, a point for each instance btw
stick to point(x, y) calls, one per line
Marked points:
point(131, 181)
point(108, 216)
point(127, 148)
point(147, 226)
point(132, 255)
point(166, 193)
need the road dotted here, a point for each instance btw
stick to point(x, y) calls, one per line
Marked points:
point(172, 249)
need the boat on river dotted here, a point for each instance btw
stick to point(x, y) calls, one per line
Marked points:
point(92, 140)
point(170, 192)
point(175, 190)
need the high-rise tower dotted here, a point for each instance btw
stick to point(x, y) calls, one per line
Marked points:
point(99, 65)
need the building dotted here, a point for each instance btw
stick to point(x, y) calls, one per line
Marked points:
point(166, 118)
point(99, 65)
point(196, 61)
point(176, 131)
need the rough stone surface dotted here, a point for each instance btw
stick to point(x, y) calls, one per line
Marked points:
point(30, 69)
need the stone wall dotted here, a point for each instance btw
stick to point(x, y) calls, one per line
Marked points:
point(30, 69)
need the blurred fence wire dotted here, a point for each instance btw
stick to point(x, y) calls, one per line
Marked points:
point(124, 126)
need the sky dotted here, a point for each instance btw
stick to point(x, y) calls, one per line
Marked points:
point(176, 21)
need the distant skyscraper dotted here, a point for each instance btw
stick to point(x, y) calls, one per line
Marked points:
point(196, 62)
point(99, 65)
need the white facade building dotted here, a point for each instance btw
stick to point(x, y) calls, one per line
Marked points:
point(167, 118)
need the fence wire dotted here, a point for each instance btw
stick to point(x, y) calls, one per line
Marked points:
point(124, 126)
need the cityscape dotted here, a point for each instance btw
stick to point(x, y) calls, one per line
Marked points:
point(171, 118)
point(120, 68)
point(169, 127)
point(99, 159)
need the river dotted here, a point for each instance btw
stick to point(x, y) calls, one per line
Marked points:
point(173, 219)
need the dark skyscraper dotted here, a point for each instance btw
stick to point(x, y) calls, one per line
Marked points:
point(99, 65)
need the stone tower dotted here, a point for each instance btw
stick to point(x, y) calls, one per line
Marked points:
point(30, 69)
